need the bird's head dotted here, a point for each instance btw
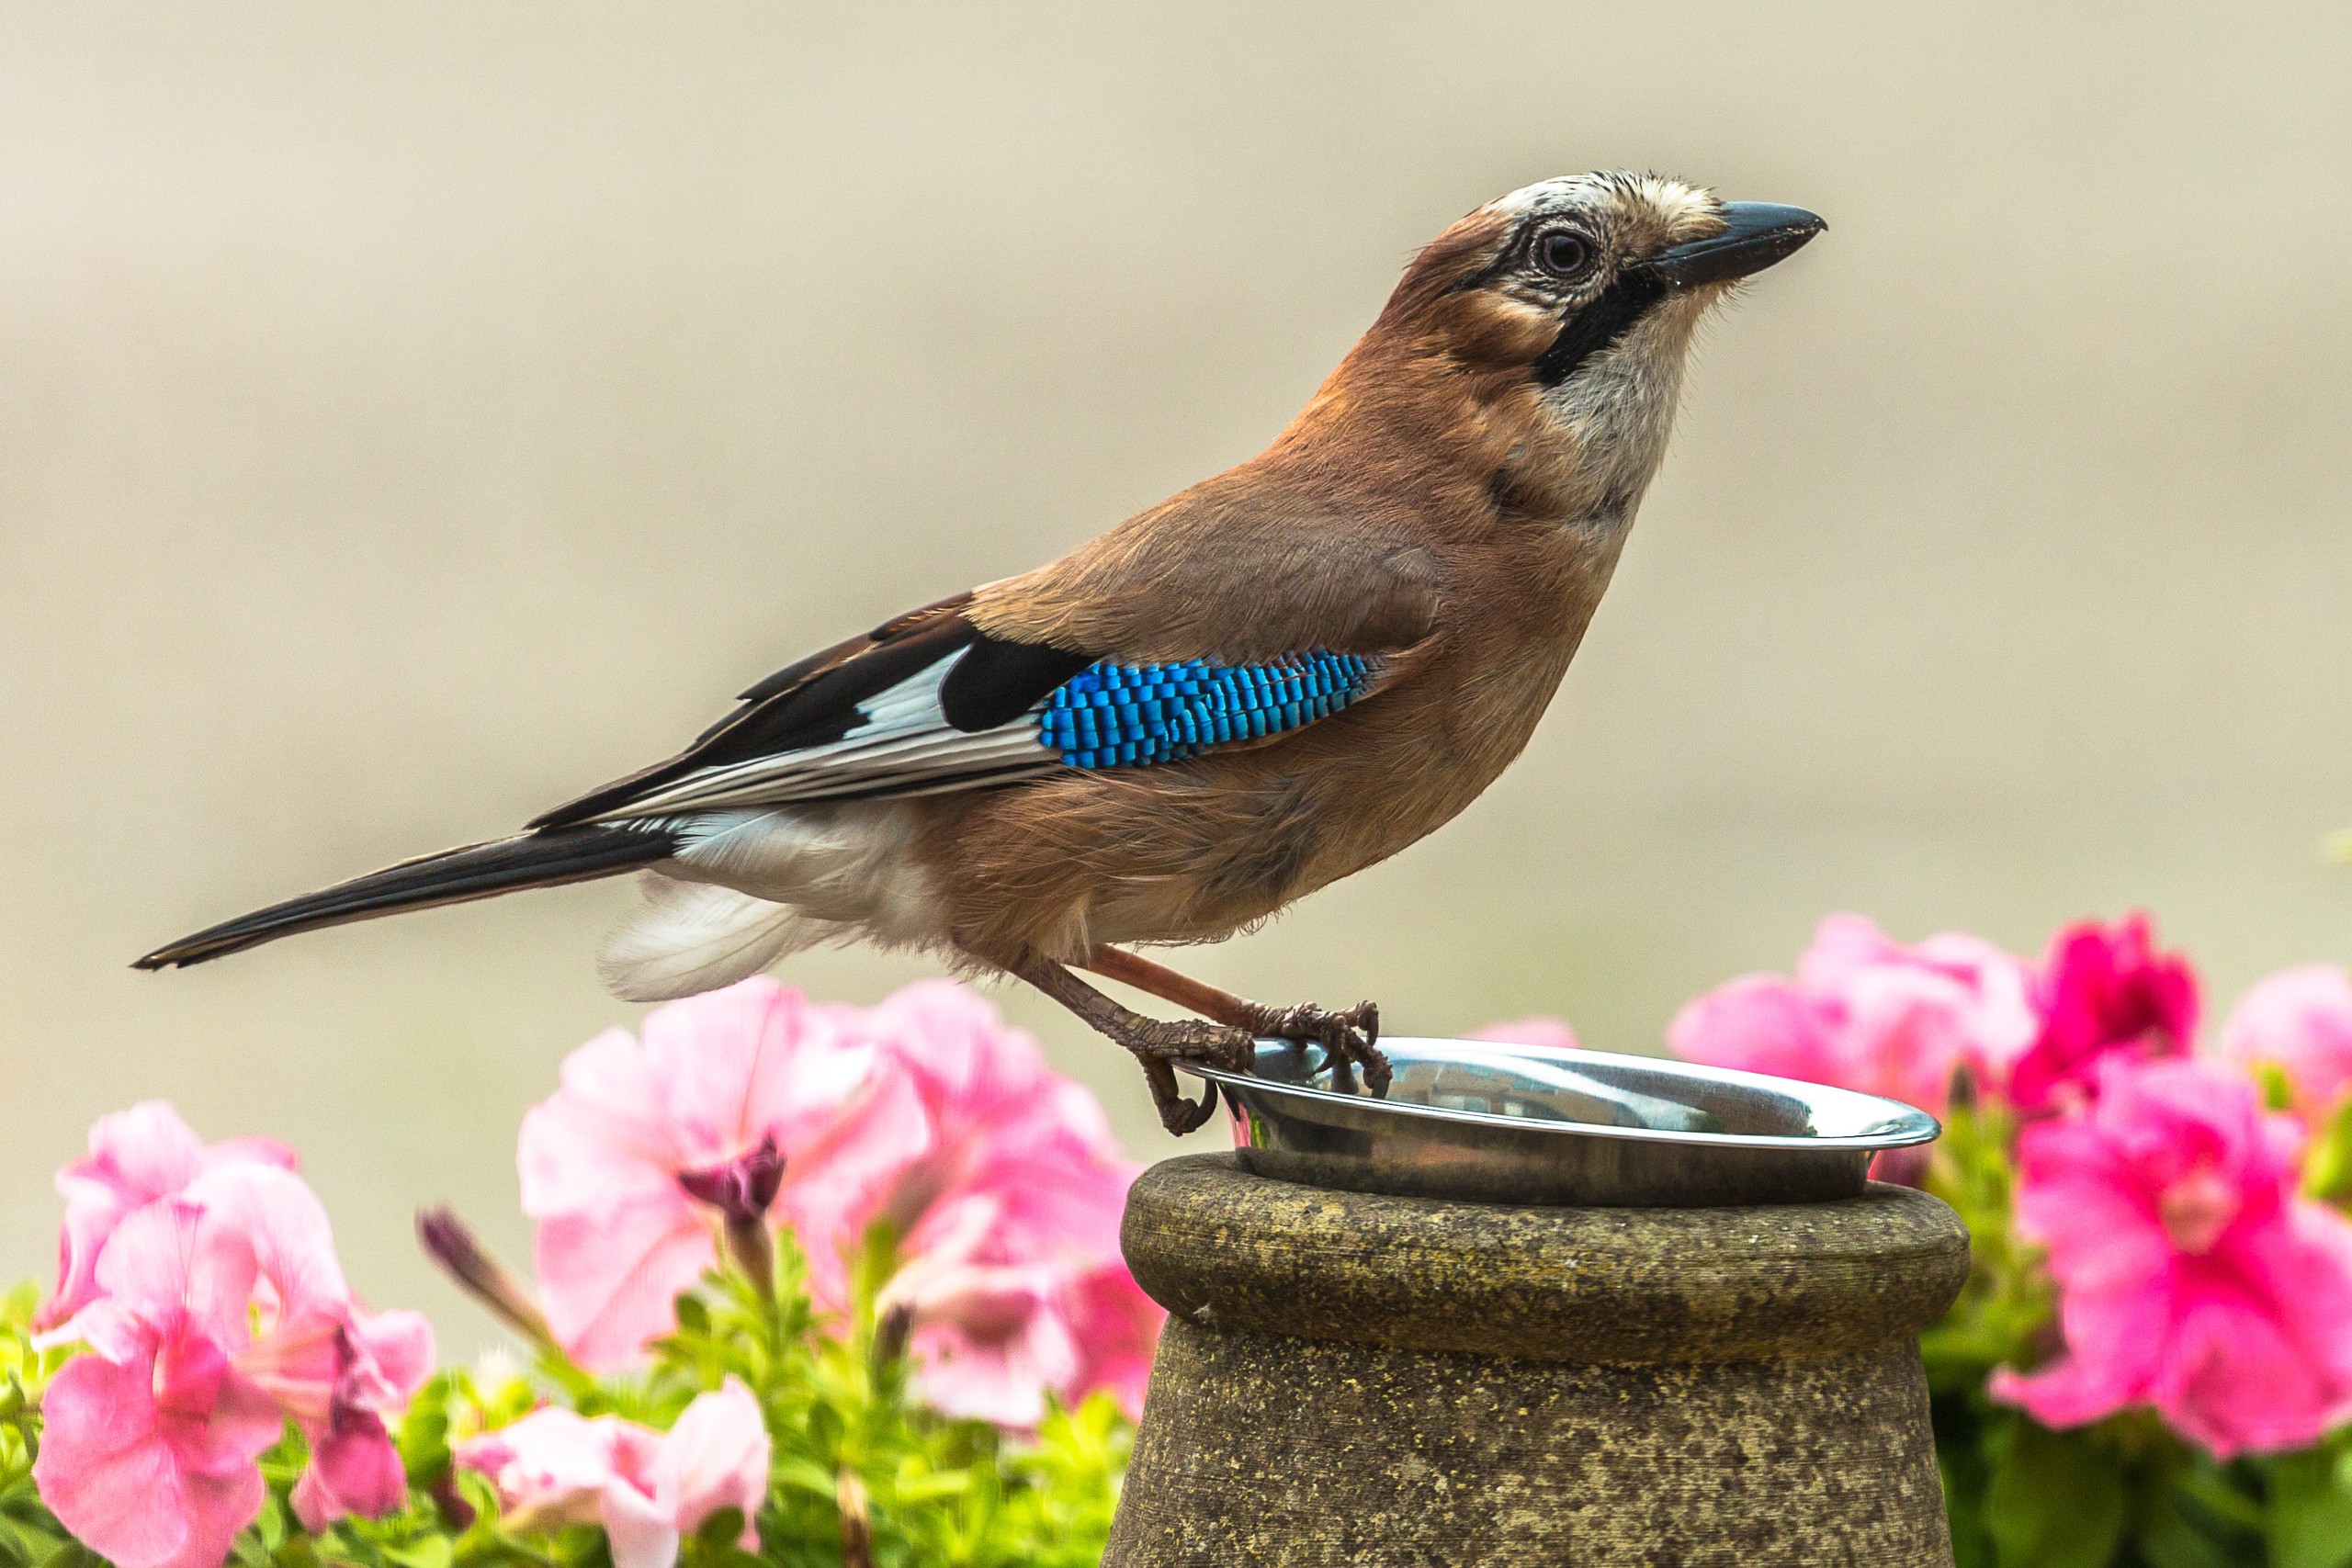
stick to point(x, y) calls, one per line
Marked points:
point(1549, 329)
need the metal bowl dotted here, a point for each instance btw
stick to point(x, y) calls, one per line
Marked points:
point(1502, 1123)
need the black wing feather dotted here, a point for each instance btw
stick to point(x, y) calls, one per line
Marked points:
point(997, 682)
point(817, 700)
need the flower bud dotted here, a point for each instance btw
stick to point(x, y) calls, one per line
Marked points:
point(461, 1256)
point(741, 1188)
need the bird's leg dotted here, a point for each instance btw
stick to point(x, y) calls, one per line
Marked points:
point(1351, 1039)
point(1154, 1043)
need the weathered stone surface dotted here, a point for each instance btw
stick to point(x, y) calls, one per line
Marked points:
point(1360, 1380)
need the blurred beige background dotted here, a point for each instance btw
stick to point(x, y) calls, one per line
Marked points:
point(410, 415)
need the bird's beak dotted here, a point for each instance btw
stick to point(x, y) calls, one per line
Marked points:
point(1755, 235)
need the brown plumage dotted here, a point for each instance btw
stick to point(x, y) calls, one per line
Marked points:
point(1450, 506)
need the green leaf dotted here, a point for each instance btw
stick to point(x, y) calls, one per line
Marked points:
point(2327, 1169)
point(2169, 1538)
point(928, 1487)
point(271, 1526)
point(2311, 1512)
point(2007, 1299)
point(427, 1552)
point(722, 1529)
point(804, 1475)
point(2055, 1499)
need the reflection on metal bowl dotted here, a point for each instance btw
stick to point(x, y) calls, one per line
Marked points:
point(1503, 1123)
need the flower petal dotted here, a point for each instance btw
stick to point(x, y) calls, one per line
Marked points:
point(293, 1244)
point(396, 1350)
point(610, 1279)
point(715, 1457)
point(172, 1254)
point(2300, 1019)
point(1117, 1328)
point(105, 1469)
point(604, 1138)
point(354, 1469)
point(553, 1466)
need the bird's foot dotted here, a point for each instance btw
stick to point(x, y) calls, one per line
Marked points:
point(1158, 1044)
point(1349, 1039)
point(1230, 1042)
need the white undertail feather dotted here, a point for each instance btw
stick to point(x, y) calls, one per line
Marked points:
point(691, 937)
point(745, 889)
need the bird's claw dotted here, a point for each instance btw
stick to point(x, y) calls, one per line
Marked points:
point(1156, 1044)
point(1178, 1114)
point(1349, 1040)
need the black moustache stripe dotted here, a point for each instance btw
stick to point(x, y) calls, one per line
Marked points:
point(1599, 325)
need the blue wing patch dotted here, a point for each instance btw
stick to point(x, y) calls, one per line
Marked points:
point(1124, 715)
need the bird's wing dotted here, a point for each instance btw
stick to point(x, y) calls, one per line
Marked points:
point(1064, 667)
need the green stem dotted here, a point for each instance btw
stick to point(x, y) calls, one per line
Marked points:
point(2223, 1500)
point(753, 1250)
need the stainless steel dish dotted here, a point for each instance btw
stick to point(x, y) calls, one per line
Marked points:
point(1505, 1123)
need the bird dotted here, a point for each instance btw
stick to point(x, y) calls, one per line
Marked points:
point(1273, 680)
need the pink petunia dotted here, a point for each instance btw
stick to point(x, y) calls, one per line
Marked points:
point(333, 1367)
point(1002, 1318)
point(148, 1453)
point(996, 1122)
point(277, 1336)
point(647, 1489)
point(2299, 1021)
point(1864, 1012)
point(1118, 1331)
point(2102, 990)
point(2191, 1277)
point(923, 1121)
point(737, 1098)
point(1007, 1213)
point(136, 1156)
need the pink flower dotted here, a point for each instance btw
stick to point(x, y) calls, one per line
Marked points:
point(1007, 1209)
point(1001, 1321)
point(995, 1124)
point(2299, 1020)
point(292, 1343)
point(648, 1489)
point(333, 1366)
point(923, 1120)
point(135, 1157)
point(1549, 1032)
point(2102, 989)
point(1867, 1013)
point(735, 1101)
point(1117, 1328)
point(149, 1450)
point(2191, 1277)
point(989, 1339)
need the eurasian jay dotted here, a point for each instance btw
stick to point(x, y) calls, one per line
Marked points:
point(1282, 675)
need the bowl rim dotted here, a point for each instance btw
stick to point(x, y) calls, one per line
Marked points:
point(1908, 1125)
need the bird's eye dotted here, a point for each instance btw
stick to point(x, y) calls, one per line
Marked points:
point(1564, 254)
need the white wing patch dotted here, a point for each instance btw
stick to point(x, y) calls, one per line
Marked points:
point(906, 747)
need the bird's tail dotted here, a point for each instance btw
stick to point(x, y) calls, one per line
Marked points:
point(543, 859)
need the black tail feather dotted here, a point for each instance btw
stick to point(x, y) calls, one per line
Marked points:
point(478, 870)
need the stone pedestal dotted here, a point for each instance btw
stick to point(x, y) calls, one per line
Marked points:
point(1347, 1378)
